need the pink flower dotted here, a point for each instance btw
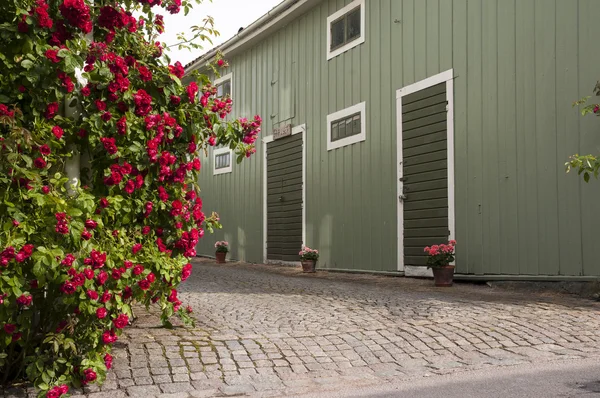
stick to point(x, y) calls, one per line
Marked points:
point(46, 189)
point(92, 294)
point(86, 235)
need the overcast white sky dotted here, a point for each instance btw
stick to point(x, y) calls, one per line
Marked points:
point(229, 15)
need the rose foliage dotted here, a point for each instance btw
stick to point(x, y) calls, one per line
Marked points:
point(82, 76)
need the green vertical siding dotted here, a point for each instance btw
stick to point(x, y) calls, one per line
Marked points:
point(518, 66)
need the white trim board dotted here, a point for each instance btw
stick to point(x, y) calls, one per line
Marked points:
point(359, 40)
point(223, 170)
point(300, 129)
point(353, 139)
point(446, 77)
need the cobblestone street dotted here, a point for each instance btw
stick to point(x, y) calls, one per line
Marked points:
point(273, 331)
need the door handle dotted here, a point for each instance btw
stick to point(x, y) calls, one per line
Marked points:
point(402, 197)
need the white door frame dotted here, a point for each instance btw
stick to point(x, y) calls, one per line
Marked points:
point(300, 129)
point(447, 77)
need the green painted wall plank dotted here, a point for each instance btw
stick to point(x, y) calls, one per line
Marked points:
point(526, 152)
point(408, 41)
point(567, 127)
point(473, 75)
point(432, 48)
point(545, 63)
point(507, 140)
point(420, 40)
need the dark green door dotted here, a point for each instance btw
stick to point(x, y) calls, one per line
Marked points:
point(425, 171)
point(284, 198)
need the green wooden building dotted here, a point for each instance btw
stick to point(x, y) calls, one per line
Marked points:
point(393, 124)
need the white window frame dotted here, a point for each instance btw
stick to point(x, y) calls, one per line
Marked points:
point(359, 40)
point(353, 139)
point(223, 79)
point(223, 170)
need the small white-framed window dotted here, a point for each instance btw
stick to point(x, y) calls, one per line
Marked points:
point(224, 86)
point(346, 29)
point(347, 126)
point(222, 161)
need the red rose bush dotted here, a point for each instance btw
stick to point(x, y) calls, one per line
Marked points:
point(90, 78)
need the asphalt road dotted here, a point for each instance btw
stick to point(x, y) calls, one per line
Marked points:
point(567, 378)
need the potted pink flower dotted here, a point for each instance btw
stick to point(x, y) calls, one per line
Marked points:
point(309, 258)
point(439, 258)
point(222, 248)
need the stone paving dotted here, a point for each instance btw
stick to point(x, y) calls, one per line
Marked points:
point(273, 331)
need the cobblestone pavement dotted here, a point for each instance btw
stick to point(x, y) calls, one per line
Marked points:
point(273, 331)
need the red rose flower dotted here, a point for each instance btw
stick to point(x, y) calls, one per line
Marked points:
point(24, 300)
point(121, 321)
point(102, 278)
point(39, 163)
point(91, 224)
point(110, 145)
point(186, 271)
point(136, 248)
point(151, 278)
point(144, 284)
point(173, 296)
point(101, 313)
point(108, 361)
point(106, 116)
point(86, 90)
point(77, 14)
point(192, 91)
point(9, 328)
point(52, 55)
point(143, 102)
point(100, 105)
point(145, 73)
point(177, 69)
point(51, 110)
point(138, 269)
point(86, 235)
point(130, 187)
point(175, 100)
point(92, 294)
point(109, 337)
point(88, 273)
point(68, 288)
point(106, 296)
point(45, 150)
point(122, 126)
point(146, 230)
point(89, 376)
point(128, 264)
point(104, 203)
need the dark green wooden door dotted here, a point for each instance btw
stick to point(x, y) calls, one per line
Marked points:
point(425, 171)
point(284, 198)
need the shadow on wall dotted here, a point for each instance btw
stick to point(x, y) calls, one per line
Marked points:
point(240, 245)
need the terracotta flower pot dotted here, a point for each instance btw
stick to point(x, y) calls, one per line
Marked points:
point(443, 276)
point(308, 266)
point(220, 257)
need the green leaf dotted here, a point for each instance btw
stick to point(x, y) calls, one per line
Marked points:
point(27, 64)
point(586, 177)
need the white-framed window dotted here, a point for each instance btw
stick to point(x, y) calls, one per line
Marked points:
point(346, 28)
point(224, 86)
point(222, 161)
point(347, 126)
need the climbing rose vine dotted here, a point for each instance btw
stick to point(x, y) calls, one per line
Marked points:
point(88, 77)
